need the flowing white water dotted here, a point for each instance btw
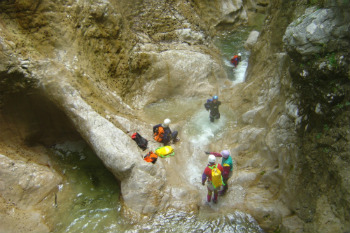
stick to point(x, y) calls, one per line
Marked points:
point(230, 44)
point(200, 131)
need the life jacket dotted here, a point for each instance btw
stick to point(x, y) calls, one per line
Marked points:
point(140, 141)
point(234, 60)
point(165, 151)
point(226, 172)
point(216, 177)
point(150, 157)
point(159, 134)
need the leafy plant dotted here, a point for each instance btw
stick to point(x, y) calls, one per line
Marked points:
point(340, 106)
point(313, 2)
point(326, 150)
point(332, 60)
point(318, 136)
point(325, 127)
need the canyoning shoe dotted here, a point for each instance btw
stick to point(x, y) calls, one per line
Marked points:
point(176, 140)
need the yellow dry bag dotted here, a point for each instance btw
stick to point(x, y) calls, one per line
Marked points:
point(216, 178)
point(165, 151)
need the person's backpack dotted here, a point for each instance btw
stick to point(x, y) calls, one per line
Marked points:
point(150, 157)
point(216, 177)
point(165, 151)
point(140, 141)
point(159, 134)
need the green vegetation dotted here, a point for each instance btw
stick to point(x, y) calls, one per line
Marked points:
point(332, 60)
point(278, 230)
point(318, 136)
point(325, 128)
point(326, 150)
point(315, 3)
point(341, 105)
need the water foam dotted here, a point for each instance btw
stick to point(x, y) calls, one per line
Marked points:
point(239, 72)
point(201, 131)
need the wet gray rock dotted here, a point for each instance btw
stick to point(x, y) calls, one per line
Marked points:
point(252, 38)
point(24, 183)
point(317, 31)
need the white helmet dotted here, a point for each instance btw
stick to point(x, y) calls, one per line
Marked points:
point(239, 54)
point(166, 122)
point(211, 159)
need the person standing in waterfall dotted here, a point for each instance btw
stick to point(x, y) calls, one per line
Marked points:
point(212, 105)
point(207, 176)
point(236, 59)
point(162, 133)
point(227, 165)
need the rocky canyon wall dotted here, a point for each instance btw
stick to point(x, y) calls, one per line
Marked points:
point(301, 62)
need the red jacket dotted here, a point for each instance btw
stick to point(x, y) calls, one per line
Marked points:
point(207, 172)
point(235, 60)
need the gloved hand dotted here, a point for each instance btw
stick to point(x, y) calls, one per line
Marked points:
point(207, 152)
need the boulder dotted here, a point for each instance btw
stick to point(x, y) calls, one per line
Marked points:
point(26, 183)
point(252, 39)
point(317, 31)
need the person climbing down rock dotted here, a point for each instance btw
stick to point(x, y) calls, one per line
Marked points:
point(212, 105)
point(227, 165)
point(212, 174)
point(236, 59)
point(162, 133)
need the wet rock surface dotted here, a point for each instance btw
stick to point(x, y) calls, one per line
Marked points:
point(106, 59)
point(112, 59)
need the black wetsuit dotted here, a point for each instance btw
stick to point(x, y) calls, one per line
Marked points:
point(213, 107)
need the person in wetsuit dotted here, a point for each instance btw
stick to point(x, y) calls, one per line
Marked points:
point(212, 105)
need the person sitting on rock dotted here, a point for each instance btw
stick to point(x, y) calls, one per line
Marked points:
point(213, 107)
point(162, 133)
point(236, 59)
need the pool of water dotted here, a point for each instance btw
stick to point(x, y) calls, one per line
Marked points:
point(88, 198)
